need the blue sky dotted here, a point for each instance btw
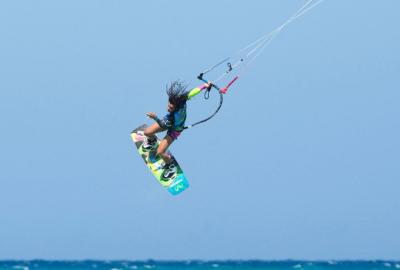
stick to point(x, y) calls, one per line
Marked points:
point(302, 161)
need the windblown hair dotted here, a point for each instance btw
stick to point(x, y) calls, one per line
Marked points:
point(177, 93)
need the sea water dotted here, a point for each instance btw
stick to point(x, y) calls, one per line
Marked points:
point(198, 265)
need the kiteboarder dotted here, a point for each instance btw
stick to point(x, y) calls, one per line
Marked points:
point(173, 122)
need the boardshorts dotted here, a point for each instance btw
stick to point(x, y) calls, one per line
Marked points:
point(174, 134)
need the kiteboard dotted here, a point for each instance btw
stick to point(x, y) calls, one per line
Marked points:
point(175, 184)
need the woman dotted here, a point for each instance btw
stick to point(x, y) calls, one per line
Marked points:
point(173, 122)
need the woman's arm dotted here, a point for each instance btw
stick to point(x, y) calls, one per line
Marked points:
point(164, 123)
point(197, 90)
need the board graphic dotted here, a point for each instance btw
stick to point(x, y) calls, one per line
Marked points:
point(175, 183)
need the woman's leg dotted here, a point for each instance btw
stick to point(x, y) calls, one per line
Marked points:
point(152, 130)
point(150, 140)
point(162, 148)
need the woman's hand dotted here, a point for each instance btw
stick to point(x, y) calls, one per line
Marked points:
point(208, 85)
point(151, 115)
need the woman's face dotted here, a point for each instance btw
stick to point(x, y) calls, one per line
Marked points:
point(171, 107)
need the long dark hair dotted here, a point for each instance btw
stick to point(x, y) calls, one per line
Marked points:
point(177, 94)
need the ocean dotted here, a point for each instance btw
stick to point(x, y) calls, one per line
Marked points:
point(198, 265)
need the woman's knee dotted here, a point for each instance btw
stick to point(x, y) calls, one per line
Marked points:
point(148, 132)
point(152, 130)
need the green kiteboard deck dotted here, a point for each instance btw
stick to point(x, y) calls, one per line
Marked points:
point(175, 184)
